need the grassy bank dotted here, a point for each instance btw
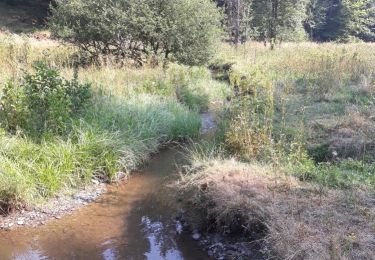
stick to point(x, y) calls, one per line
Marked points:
point(307, 105)
point(117, 135)
point(132, 113)
point(290, 219)
point(292, 162)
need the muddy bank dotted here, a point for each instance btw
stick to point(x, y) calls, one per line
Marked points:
point(55, 208)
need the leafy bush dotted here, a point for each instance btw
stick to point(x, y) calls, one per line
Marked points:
point(251, 115)
point(137, 28)
point(42, 103)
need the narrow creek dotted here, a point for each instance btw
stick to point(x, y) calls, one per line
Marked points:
point(133, 220)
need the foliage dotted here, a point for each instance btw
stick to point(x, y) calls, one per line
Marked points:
point(114, 135)
point(322, 20)
point(279, 20)
point(239, 15)
point(341, 20)
point(265, 20)
point(250, 130)
point(130, 114)
point(43, 102)
point(305, 108)
point(134, 29)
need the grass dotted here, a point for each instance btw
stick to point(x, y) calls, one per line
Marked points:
point(314, 98)
point(134, 111)
point(115, 136)
point(193, 86)
point(293, 163)
point(289, 218)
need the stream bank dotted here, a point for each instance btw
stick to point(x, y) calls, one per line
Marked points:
point(132, 220)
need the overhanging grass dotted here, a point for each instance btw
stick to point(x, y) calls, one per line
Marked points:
point(291, 219)
point(115, 135)
point(133, 112)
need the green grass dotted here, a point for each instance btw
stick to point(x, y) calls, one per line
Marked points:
point(298, 99)
point(115, 135)
point(134, 112)
point(294, 155)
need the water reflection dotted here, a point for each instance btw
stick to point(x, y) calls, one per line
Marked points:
point(109, 254)
point(132, 221)
point(159, 248)
point(30, 255)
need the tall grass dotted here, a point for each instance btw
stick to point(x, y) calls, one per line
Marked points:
point(298, 163)
point(133, 112)
point(116, 135)
point(301, 105)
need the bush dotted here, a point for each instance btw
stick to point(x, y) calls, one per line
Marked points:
point(251, 116)
point(42, 103)
point(136, 29)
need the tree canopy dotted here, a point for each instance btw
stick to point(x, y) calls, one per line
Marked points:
point(185, 30)
point(320, 20)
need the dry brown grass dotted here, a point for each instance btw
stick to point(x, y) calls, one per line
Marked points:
point(301, 221)
point(349, 135)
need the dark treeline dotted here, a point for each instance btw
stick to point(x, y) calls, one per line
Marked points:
point(38, 8)
point(292, 20)
point(27, 2)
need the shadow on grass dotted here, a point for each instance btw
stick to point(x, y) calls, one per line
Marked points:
point(22, 16)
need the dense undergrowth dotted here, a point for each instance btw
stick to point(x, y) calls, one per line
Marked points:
point(49, 144)
point(307, 107)
point(292, 163)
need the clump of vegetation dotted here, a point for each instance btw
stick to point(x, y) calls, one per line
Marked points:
point(135, 29)
point(284, 108)
point(288, 218)
point(59, 133)
point(43, 102)
point(295, 152)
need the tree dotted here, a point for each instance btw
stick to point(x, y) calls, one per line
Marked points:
point(136, 29)
point(340, 20)
point(239, 17)
point(279, 19)
point(315, 17)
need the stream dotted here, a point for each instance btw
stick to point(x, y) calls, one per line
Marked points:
point(132, 220)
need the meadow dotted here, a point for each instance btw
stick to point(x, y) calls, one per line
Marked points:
point(91, 90)
point(131, 114)
point(292, 163)
point(290, 166)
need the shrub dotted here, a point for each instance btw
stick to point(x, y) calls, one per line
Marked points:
point(138, 28)
point(251, 115)
point(43, 102)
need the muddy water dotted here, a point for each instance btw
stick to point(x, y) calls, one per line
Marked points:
point(131, 221)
